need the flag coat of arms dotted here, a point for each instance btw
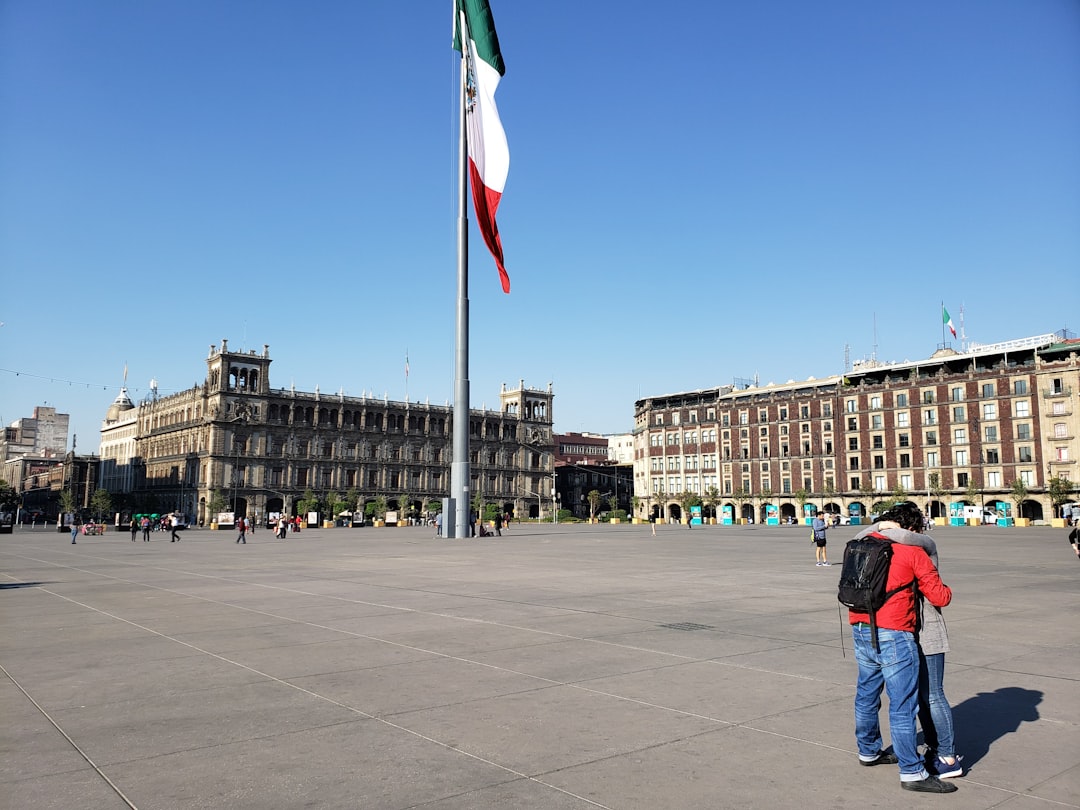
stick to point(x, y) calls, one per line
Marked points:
point(489, 156)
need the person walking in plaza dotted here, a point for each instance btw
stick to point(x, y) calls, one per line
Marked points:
point(890, 662)
point(145, 524)
point(134, 528)
point(498, 524)
point(174, 526)
point(282, 527)
point(241, 526)
point(820, 528)
point(74, 529)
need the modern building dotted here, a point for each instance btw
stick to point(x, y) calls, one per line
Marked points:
point(584, 463)
point(45, 434)
point(236, 444)
point(989, 427)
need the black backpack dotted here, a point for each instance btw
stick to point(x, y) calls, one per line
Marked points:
point(864, 576)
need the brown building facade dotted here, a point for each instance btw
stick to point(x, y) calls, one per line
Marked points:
point(976, 429)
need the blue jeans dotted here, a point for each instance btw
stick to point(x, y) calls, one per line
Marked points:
point(935, 713)
point(895, 668)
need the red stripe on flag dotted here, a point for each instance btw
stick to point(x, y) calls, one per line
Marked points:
point(486, 203)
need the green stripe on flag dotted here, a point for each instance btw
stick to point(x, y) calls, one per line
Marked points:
point(481, 31)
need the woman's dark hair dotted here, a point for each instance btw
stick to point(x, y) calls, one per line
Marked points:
point(907, 514)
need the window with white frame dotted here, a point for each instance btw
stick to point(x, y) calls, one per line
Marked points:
point(961, 458)
point(1023, 408)
point(879, 483)
point(932, 459)
point(960, 436)
point(905, 482)
point(875, 403)
point(1059, 430)
point(989, 410)
point(902, 419)
point(851, 406)
point(1028, 477)
point(1062, 453)
point(993, 479)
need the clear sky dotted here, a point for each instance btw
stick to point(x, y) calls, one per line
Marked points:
point(698, 191)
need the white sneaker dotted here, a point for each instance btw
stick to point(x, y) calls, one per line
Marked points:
point(827, 564)
point(818, 564)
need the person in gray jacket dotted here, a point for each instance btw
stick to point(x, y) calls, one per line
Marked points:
point(903, 523)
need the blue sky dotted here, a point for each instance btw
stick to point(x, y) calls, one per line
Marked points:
point(698, 191)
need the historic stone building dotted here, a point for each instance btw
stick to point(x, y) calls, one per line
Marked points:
point(972, 428)
point(261, 448)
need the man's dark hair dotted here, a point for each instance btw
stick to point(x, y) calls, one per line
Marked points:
point(907, 514)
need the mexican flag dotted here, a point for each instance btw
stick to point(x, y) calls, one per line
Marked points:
point(489, 157)
point(947, 320)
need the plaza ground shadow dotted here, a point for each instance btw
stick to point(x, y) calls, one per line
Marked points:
point(988, 716)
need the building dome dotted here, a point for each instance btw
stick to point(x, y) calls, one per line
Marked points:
point(120, 404)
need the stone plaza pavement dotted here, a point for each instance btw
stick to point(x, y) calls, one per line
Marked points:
point(557, 667)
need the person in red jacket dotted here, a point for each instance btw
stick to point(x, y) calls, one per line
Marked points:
point(894, 667)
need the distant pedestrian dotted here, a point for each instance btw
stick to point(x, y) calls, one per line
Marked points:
point(282, 527)
point(134, 529)
point(145, 523)
point(174, 525)
point(438, 525)
point(653, 521)
point(498, 524)
point(74, 529)
point(241, 526)
point(819, 529)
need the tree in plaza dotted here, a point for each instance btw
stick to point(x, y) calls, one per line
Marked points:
point(218, 504)
point(594, 503)
point(334, 504)
point(1019, 493)
point(712, 500)
point(688, 500)
point(740, 496)
point(766, 495)
point(635, 505)
point(866, 491)
point(936, 487)
point(972, 493)
point(101, 504)
point(352, 499)
point(898, 495)
point(802, 496)
point(308, 503)
point(1060, 489)
point(67, 502)
point(9, 498)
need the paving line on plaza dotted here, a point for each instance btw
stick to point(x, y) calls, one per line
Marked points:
point(116, 789)
point(316, 695)
point(578, 686)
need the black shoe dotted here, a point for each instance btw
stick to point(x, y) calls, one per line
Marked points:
point(930, 784)
point(884, 758)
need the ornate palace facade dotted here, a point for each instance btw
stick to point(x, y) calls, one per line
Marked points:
point(261, 448)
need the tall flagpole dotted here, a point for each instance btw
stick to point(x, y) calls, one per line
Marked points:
point(459, 468)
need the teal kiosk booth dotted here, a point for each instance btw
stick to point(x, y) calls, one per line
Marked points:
point(956, 514)
point(772, 514)
point(695, 515)
point(726, 516)
point(855, 515)
point(1003, 510)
